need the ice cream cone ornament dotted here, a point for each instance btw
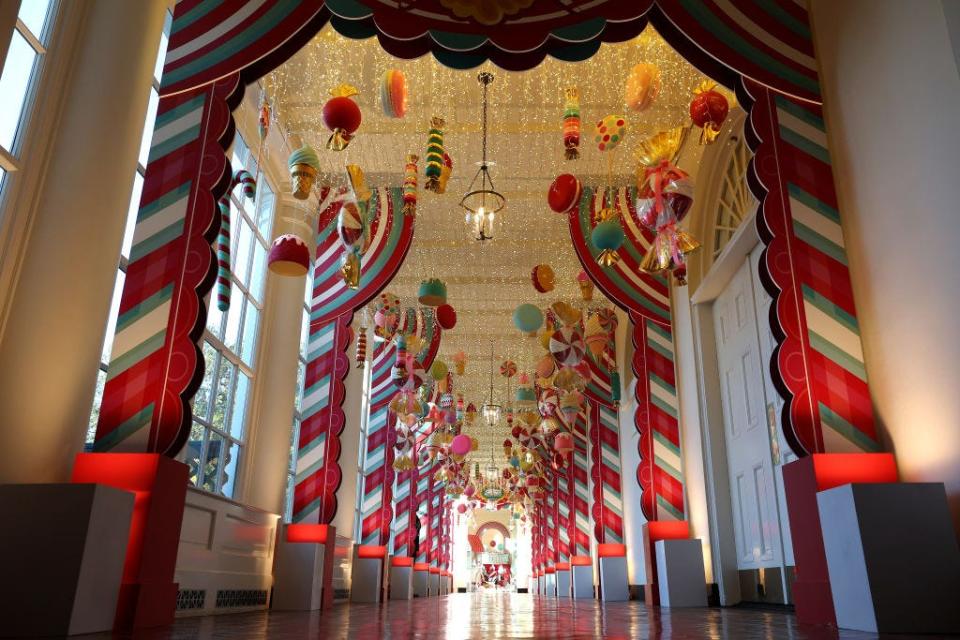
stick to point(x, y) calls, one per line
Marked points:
point(585, 285)
point(304, 164)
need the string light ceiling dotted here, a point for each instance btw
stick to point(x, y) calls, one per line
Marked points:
point(485, 281)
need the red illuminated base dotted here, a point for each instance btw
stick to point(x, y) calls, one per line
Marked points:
point(802, 480)
point(148, 595)
point(653, 531)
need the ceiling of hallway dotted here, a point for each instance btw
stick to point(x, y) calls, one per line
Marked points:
point(485, 282)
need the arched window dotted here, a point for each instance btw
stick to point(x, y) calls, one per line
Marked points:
point(735, 201)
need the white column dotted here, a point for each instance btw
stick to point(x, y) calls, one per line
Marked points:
point(268, 448)
point(58, 310)
point(350, 443)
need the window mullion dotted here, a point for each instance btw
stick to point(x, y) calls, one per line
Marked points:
point(31, 39)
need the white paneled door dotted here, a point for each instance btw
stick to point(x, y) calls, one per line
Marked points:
point(753, 484)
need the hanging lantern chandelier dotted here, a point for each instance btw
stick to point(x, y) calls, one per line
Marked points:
point(482, 201)
point(491, 410)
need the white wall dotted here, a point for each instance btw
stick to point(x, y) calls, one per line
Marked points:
point(892, 101)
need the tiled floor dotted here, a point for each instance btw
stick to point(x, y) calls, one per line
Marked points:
point(490, 616)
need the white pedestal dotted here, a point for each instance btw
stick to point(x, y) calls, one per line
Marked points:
point(542, 585)
point(563, 583)
point(366, 579)
point(421, 584)
point(613, 579)
point(892, 557)
point(65, 546)
point(297, 575)
point(581, 577)
point(434, 584)
point(401, 583)
point(444, 585)
point(680, 574)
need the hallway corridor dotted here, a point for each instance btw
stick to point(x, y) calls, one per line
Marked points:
point(499, 615)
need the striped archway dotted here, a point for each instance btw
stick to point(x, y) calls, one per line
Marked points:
point(762, 50)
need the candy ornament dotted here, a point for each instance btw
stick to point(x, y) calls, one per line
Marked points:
point(566, 346)
point(342, 116)
point(432, 293)
point(608, 237)
point(563, 443)
point(459, 362)
point(585, 285)
point(304, 164)
point(643, 86)
point(445, 172)
point(446, 316)
point(386, 317)
point(435, 155)
point(393, 93)
point(546, 367)
point(543, 278)
point(224, 281)
point(571, 124)
point(527, 318)
point(460, 445)
point(508, 368)
point(289, 256)
point(708, 110)
point(565, 193)
point(438, 370)
point(361, 355)
point(410, 185)
point(609, 132)
point(568, 314)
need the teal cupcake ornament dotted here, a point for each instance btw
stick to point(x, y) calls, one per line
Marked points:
point(432, 293)
point(608, 236)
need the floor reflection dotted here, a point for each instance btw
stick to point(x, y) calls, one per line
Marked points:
point(501, 615)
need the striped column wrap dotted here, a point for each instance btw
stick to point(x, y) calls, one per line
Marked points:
point(819, 361)
point(331, 311)
point(644, 297)
point(579, 472)
point(565, 511)
point(156, 365)
point(223, 255)
point(657, 420)
point(550, 518)
point(376, 512)
point(607, 507)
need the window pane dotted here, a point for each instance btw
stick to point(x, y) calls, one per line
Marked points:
point(34, 15)
point(112, 318)
point(258, 273)
point(224, 391)
point(214, 316)
point(229, 465)
point(148, 126)
point(132, 214)
point(239, 413)
point(95, 412)
point(201, 401)
point(288, 500)
point(249, 345)
point(164, 40)
point(265, 209)
point(212, 461)
point(232, 335)
point(294, 436)
point(301, 376)
point(241, 258)
point(194, 451)
point(14, 84)
point(304, 332)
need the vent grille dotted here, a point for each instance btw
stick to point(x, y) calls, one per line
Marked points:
point(230, 598)
point(191, 599)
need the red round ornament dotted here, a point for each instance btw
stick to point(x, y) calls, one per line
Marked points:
point(709, 106)
point(341, 113)
point(564, 194)
point(446, 316)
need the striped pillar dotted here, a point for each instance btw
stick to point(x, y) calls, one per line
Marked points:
point(580, 469)
point(318, 471)
point(820, 359)
point(657, 420)
point(376, 499)
point(605, 470)
point(563, 495)
point(155, 359)
point(550, 512)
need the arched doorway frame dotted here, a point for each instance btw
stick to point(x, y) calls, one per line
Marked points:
point(215, 52)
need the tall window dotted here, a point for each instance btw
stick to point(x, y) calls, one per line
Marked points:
point(18, 81)
point(132, 209)
point(298, 400)
point(222, 404)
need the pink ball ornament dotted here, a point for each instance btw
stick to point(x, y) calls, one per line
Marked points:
point(461, 444)
point(461, 508)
